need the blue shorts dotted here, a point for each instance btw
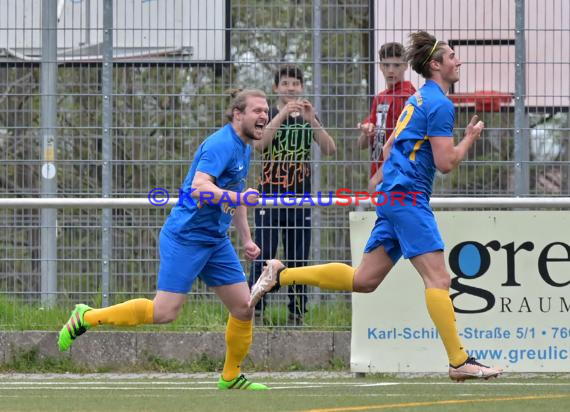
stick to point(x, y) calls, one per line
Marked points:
point(405, 230)
point(217, 264)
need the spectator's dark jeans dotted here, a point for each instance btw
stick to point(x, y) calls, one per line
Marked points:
point(295, 227)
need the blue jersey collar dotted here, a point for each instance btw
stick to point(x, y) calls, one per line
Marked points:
point(433, 83)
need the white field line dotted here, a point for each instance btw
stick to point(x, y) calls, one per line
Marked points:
point(211, 385)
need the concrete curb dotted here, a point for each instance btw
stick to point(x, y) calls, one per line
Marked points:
point(107, 349)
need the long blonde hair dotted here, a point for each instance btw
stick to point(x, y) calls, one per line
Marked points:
point(239, 100)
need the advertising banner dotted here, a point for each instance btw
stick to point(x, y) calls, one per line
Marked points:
point(510, 286)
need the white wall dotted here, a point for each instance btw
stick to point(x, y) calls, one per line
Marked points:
point(142, 27)
point(489, 67)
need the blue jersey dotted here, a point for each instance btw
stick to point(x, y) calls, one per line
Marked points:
point(428, 113)
point(225, 157)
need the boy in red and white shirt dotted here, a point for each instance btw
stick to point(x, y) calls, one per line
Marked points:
point(386, 108)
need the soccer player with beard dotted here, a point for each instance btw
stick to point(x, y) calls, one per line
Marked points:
point(194, 242)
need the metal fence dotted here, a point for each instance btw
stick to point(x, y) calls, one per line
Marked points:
point(110, 98)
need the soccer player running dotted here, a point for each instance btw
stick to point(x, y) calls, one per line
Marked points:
point(194, 242)
point(421, 143)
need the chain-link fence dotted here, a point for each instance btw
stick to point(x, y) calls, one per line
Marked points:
point(111, 98)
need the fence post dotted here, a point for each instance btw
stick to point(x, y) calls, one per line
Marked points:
point(521, 124)
point(48, 88)
point(107, 148)
point(316, 153)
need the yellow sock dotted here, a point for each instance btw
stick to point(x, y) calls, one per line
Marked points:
point(130, 313)
point(335, 276)
point(441, 312)
point(239, 334)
